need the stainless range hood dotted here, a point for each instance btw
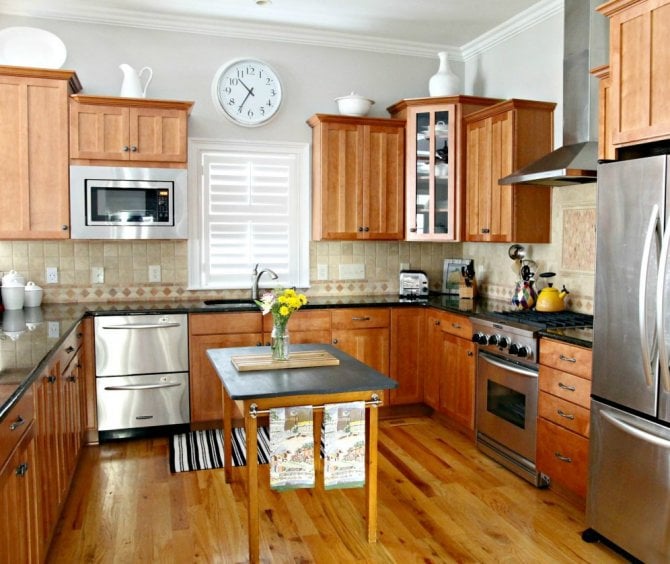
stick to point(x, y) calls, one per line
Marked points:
point(585, 47)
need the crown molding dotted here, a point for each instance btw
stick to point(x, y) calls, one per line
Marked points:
point(514, 26)
point(87, 12)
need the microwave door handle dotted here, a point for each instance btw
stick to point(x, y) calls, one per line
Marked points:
point(634, 431)
point(653, 233)
point(142, 326)
point(660, 311)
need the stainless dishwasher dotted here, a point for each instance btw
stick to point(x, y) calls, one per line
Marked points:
point(141, 369)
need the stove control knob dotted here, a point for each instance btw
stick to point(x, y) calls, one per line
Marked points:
point(513, 348)
point(524, 352)
point(503, 342)
point(479, 338)
point(494, 340)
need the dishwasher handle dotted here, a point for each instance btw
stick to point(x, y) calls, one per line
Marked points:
point(126, 387)
point(142, 326)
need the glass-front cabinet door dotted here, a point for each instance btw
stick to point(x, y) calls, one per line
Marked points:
point(431, 205)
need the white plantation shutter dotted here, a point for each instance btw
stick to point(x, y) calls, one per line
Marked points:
point(251, 210)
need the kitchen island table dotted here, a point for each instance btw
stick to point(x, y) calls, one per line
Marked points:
point(257, 391)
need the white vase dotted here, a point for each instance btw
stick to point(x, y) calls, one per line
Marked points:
point(444, 82)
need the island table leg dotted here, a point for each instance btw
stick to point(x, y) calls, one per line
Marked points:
point(371, 482)
point(227, 437)
point(251, 428)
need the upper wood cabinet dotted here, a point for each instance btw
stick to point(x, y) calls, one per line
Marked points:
point(357, 178)
point(639, 107)
point(128, 129)
point(606, 150)
point(501, 139)
point(34, 192)
point(434, 164)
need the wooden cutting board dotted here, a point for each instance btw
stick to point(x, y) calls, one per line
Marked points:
point(302, 359)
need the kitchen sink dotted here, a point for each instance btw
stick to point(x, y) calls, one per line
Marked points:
point(232, 304)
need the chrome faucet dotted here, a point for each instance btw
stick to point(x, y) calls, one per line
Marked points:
point(257, 276)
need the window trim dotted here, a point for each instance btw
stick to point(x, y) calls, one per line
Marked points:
point(197, 146)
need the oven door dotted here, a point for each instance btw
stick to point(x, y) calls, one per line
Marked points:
point(507, 396)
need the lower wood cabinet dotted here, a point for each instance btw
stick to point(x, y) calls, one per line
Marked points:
point(450, 357)
point(307, 326)
point(408, 327)
point(564, 416)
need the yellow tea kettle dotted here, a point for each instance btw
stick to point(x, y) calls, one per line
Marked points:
point(550, 299)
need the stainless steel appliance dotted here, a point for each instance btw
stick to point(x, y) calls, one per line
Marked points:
point(507, 384)
point(413, 284)
point(141, 368)
point(628, 499)
point(127, 203)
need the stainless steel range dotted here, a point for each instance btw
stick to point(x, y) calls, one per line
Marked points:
point(507, 384)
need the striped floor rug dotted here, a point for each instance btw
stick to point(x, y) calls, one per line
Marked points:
point(203, 450)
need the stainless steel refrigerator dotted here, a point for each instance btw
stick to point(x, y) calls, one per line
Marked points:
point(629, 474)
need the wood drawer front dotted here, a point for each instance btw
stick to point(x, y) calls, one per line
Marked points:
point(225, 323)
point(563, 456)
point(303, 320)
point(455, 324)
point(361, 317)
point(567, 386)
point(569, 415)
point(69, 347)
point(15, 424)
point(570, 358)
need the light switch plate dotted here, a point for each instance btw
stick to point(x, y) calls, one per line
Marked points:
point(97, 275)
point(154, 273)
point(352, 271)
point(322, 272)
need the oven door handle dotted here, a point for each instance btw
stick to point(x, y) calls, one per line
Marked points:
point(508, 366)
point(143, 386)
point(142, 326)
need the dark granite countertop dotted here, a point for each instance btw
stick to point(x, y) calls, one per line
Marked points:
point(29, 337)
point(580, 336)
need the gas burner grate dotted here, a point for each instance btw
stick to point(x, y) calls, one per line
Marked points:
point(550, 320)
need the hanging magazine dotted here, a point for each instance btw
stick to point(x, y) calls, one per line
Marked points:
point(291, 448)
point(344, 438)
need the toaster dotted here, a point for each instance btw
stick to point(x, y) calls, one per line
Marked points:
point(413, 284)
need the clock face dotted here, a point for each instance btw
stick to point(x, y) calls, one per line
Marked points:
point(247, 91)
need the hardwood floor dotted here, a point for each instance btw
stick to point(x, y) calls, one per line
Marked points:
point(440, 500)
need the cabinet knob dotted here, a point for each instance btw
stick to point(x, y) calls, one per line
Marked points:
point(486, 230)
point(72, 378)
point(366, 229)
point(470, 353)
point(22, 469)
point(19, 421)
point(64, 227)
point(133, 148)
point(69, 350)
point(334, 341)
point(437, 322)
point(126, 148)
point(360, 229)
point(51, 378)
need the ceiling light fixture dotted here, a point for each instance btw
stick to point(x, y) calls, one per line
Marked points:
point(263, 2)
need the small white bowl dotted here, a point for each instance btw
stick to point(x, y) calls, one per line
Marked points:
point(13, 296)
point(33, 297)
point(354, 105)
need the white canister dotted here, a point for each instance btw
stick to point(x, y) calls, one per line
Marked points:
point(33, 295)
point(13, 278)
point(13, 296)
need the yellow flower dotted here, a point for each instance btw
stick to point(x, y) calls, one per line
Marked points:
point(284, 311)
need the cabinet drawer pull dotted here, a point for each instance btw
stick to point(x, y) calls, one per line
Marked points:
point(456, 325)
point(470, 353)
point(567, 358)
point(51, 379)
point(566, 387)
point(19, 421)
point(486, 230)
point(69, 350)
point(437, 322)
point(72, 378)
point(566, 415)
point(360, 318)
point(22, 469)
point(563, 458)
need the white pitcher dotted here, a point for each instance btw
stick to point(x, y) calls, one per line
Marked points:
point(132, 86)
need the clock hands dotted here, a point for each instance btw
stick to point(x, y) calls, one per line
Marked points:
point(250, 92)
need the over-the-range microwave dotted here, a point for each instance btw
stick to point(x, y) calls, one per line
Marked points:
point(127, 203)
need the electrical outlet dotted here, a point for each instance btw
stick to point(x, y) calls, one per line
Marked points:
point(322, 272)
point(352, 271)
point(154, 273)
point(97, 275)
point(53, 328)
point(52, 275)
point(404, 266)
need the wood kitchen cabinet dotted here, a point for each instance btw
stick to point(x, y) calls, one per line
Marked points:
point(407, 350)
point(638, 107)
point(128, 129)
point(357, 178)
point(435, 164)
point(34, 192)
point(449, 382)
point(501, 139)
point(606, 150)
point(564, 416)
point(210, 331)
point(305, 326)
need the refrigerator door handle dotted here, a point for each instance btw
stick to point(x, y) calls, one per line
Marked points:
point(653, 229)
point(634, 431)
point(660, 312)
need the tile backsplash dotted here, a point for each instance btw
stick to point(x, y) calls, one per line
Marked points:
point(126, 263)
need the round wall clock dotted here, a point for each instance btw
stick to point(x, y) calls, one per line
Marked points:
point(247, 91)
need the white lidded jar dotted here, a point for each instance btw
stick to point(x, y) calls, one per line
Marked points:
point(444, 82)
point(33, 295)
point(13, 290)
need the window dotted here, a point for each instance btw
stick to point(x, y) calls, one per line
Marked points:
point(248, 205)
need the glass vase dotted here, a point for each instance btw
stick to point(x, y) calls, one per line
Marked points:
point(279, 342)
